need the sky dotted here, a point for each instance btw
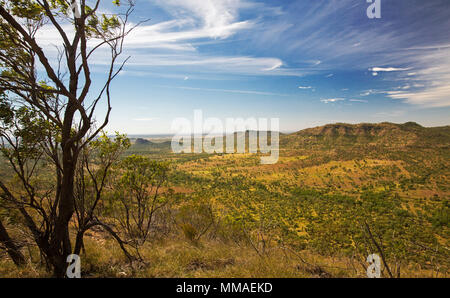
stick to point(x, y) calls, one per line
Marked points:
point(305, 62)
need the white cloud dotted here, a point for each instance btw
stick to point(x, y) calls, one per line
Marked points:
point(172, 42)
point(405, 87)
point(215, 18)
point(205, 63)
point(367, 93)
point(387, 69)
point(430, 86)
point(304, 87)
point(376, 70)
point(438, 96)
point(371, 92)
point(405, 52)
point(192, 20)
point(178, 35)
point(332, 100)
point(275, 66)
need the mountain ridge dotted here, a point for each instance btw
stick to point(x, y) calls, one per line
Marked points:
point(358, 129)
point(386, 134)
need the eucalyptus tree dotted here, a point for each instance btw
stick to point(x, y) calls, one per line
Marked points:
point(48, 107)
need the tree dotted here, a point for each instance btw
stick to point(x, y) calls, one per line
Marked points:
point(92, 175)
point(48, 117)
point(137, 197)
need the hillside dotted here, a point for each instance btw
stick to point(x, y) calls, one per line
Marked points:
point(407, 158)
point(140, 142)
point(386, 134)
point(363, 129)
point(327, 182)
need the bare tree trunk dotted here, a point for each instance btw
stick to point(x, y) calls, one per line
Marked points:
point(11, 248)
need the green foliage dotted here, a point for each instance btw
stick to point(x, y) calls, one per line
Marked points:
point(6, 112)
point(96, 25)
point(107, 147)
point(94, 167)
point(27, 9)
point(25, 127)
point(140, 171)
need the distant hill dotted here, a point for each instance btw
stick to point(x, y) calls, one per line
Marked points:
point(363, 129)
point(377, 138)
point(387, 134)
point(140, 141)
point(145, 146)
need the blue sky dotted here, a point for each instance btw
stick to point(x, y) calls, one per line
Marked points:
point(306, 62)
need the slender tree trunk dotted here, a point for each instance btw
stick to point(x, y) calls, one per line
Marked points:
point(11, 248)
point(61, 243)
point(79, 243)
point(380, 250)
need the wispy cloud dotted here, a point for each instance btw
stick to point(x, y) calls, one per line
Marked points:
point(228, 91)
point(212, 18)
point(391, 114)
point(430, 84)
point(387, 69)
point(371, 92)
point(216, 64)
point(275, 66)
point(332, 100)
point(167, 35)
point(376, 70)
point(434, 96)
point(339, 35)
point(332, 37)
point(145, 119)
point(304, 87)
point(172, 43)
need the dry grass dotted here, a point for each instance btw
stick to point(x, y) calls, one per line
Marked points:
point(209, 259)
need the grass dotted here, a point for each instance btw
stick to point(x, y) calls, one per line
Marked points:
point(177, 258)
